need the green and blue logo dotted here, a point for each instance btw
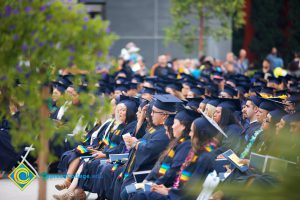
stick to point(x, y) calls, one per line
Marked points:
point(22, 176)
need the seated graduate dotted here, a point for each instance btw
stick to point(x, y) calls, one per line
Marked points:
point(58, 90)
point(225, 118)
point(270, 144)
point(145, 151)
point(197, 165)
point(62, 117)
point(111, 138)
point(168, 165)
point(95, 168)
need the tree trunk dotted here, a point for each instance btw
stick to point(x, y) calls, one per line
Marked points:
point(201, 36)
point(43, 154)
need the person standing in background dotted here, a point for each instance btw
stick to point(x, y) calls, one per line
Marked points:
point(243, 62)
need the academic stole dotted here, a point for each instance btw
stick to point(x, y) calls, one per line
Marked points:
point(165, 166)
point(89, 135)
point(113, 130)
point(131, 161)
point(250, 143)
point(189, 165)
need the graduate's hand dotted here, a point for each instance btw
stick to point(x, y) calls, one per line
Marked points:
point(131, 141)
point(100, 155)
point(91, 150)
point(143, 113)
point(161, 189)
point(220, 156)
point(244, 161)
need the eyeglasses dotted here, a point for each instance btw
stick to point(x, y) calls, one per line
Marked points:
point(162, 113)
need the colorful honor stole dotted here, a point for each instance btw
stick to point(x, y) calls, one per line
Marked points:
point(114, 167)
point(106, 141)
point(81, 149)
point(188, 168)
point(189, 165)
point(112, 145)
point(165, 166)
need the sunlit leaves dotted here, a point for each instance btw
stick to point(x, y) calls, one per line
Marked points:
point(230, 14)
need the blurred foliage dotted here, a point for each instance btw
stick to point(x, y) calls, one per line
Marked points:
point(37, 39)
point(230, 15)
point(273, 185)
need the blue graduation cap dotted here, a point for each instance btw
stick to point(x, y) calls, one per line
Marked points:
point(166, 102)
point(198, 91)
point(60, 87)
point(254, 89)
point(64, 80)
point(260, 82)
point(206, 100)
point(209, 126)
point(270, 105)
point(230, 90)
point(187, 114)
point(212, 88)
point(194, 102)
point(137, 78)
point(275, 80)
point(151, 79)
point(170, 120)
point(267, 90)
point(277, 115)
point(133, 85)
point(214, 102)
point(147, 90)
point(255, 100)
point(175, 86)
point(231, 104)
point(120, 87)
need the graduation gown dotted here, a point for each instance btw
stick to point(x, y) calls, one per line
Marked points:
point(94, 168)
point(233, 141)
point(203, 167)
point(157, 174)
point(68, 156)
point(181, 151)
point(151, 145)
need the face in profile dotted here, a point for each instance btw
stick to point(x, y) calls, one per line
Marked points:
point(217, 115)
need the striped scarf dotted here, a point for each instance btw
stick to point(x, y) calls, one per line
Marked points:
point(166, 164)
point(189, 165)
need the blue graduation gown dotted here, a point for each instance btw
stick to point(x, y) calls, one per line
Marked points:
point(168, 178)
point(146, 155)
point(204, 166)
point(250, 130)
point(181, 151)
point(68, 156)
point(233, 141)
point(95, 168)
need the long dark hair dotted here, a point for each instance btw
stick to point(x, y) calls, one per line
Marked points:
point(130, 114)
point(227, 118)
point(174, 141)
point(203, 134)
